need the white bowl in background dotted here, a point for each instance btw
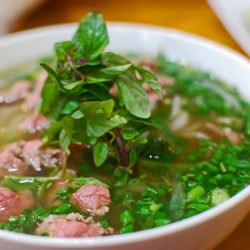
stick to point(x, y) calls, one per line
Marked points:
point(233, 15)
point(203, 231)
point(12, 10)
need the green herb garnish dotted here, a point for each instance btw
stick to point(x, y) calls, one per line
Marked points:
point(77, 96)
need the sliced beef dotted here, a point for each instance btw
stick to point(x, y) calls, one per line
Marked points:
point(37, 156)
point(25, 91)
point(12, 203)
point(9, 203)
point(71, 225)
point(10, 162)
point(218, 133)
point(19, 157)
point(32, 100)
point(234, 137)
point(35, 123)
point(17, 92)
point(93, 199)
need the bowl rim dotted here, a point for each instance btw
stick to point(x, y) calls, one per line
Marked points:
point(148, 234)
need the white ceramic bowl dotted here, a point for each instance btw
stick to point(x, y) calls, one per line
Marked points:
point(203, 231)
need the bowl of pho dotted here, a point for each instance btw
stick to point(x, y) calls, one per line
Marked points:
point(121, 136)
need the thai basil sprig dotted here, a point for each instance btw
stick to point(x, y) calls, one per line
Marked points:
point(77, 97)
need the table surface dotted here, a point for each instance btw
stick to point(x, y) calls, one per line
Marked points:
point(193, 16)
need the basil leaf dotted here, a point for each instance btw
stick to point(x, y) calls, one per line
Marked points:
point(133, 95)
point(99, 127)
point(116, 70)
point(150, 79)
point(72, 86)
point(132, 157)
point(98, 92)
point(97, 77)
point(81, 98)
point(50, 92)
point(106, 74)
point(129, 134)
point(97, 109)
point(65, 141)
point(100, 152)
point(91, 36)
point(61, 49)
point(65, 136)
point(52, 133)
point(111, 59)
point(77, 114)
point(70, 107)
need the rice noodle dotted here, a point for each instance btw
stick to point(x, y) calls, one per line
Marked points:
point(180, 121)
point(198, 135)
point(176, 106)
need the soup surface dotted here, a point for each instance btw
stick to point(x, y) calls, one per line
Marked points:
point(96, 144)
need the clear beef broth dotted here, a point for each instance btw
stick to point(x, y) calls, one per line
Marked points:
point(11, 114)
point(165, 185)
point(10, 117)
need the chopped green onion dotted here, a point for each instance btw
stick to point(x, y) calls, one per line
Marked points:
point(126, 217)
point(154, 207)
point(218, 196)
point(161, 222)
point(127, 229)
point(195, 193)
point(200, 207)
